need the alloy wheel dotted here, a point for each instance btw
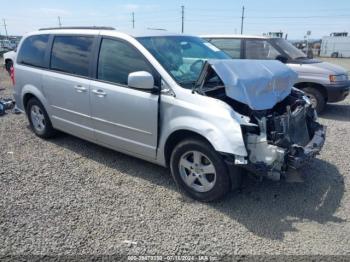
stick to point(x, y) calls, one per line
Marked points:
point(38, 118)
point(197, 171)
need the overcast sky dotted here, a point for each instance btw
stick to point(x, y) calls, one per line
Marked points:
point(201, 16)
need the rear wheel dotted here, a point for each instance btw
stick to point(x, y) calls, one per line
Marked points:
point(317, 99)
point(39, 119)
point(199, 170)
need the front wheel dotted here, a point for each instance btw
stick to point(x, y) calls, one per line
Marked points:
point(199, 170)
point(317, 99)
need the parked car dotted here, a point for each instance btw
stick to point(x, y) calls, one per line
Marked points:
point(8, 59)
point(321, 81)
point(168, 99)
point(7, 44)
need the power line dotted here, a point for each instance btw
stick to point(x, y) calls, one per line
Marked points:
point(5, 26)
point(297, 17)
point(242, 20)
point(133, 20)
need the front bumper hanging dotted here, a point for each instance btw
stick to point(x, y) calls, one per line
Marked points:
point(299, 156)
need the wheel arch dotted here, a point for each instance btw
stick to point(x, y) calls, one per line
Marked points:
point(26, 98)
point(29, 92)
point(7, 61)
point(317, 86)
point(178, 136)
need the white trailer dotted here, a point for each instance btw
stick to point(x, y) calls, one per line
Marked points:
point(335, 46)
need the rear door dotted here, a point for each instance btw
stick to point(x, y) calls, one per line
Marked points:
point(124, 118)
point(67, 84)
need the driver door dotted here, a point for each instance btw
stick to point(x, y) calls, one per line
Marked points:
point(124, 118)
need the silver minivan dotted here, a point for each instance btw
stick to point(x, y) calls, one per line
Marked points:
point(174, 100)
point(323, 82)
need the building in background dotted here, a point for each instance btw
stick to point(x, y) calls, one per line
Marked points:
point(336, 45)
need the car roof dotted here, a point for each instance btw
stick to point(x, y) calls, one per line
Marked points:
point(105, 31)
point(234, 36)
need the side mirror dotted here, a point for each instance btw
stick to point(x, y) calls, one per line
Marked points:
point(282, 59)
point(141, 80)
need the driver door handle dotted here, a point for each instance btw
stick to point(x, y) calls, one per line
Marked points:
point(80, 88)
point(99, 92)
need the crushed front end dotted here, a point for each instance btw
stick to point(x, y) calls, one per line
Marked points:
point(283, 132)
point(286, 136)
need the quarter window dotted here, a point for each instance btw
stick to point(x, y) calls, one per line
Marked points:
point(32, 51)
point(232, 47)
point(71, 54)
point(117, 60)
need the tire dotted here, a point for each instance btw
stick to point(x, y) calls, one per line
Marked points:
point(334, 55)
point(39, 120)
point(8, 65)
point(183, 168)
point(317, 98)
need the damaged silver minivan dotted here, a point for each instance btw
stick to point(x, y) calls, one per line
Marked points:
point(174, 100)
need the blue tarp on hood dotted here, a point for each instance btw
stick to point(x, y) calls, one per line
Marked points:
point(260, 84)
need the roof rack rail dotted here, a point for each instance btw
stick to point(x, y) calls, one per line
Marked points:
point(79, 27)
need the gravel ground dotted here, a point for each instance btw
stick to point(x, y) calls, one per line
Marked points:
point(68, 196)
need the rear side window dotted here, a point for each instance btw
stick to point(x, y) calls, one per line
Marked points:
point(232, 47)
point(71, 54)
point(117, 60)
point(32, 51)
point(260, 49)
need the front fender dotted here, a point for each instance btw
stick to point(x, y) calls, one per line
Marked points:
point(224, 137)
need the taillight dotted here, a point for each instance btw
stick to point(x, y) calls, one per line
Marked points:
point(12, 74)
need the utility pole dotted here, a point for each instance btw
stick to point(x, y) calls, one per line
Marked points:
point(59, 21)
point(133, 20)
point(5, 26)
point(242, 20)
point(182, 18)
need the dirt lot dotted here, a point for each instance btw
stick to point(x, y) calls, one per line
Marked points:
point(68, 196)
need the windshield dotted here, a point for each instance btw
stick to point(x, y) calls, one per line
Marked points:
point(182, 56)
point(288, 48)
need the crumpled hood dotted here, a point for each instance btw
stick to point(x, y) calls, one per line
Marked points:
point(260, 84)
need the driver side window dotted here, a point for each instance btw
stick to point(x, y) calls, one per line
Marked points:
point(117, 60)
point(260, 49)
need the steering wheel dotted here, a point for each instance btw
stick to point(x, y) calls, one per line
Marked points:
point(194, 67)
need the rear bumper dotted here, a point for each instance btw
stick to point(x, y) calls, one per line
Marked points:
point(299, 155)
point(337, 92)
